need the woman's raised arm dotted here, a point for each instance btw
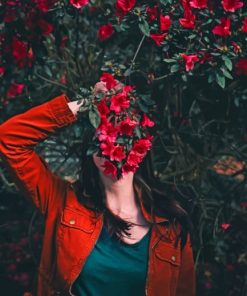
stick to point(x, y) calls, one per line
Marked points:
point(18, 137)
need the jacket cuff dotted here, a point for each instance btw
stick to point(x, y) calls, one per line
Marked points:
point(61, 111)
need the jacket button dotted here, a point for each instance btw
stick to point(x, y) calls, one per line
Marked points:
point(173, 258)
point(72, 221)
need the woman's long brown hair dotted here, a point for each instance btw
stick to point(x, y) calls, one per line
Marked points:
point(90, 192)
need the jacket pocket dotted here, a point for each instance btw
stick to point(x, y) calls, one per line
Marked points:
point(78, 220)
point(168, 253)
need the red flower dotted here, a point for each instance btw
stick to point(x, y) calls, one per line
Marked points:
point(199, 4)
point(236, 47)
point(231, 5)
point(141, 146)
point(105, 32)
point(224, 28)
point(158, 38)
point(103, 108)
point(109, 80)
point(109, 168)
point(146, 121)
point(124, 6)
point(165, 22)
point(21, 53)
point(206, 57)
point(9, 16)
point(107, 147)
point(117, 153)
point(44, 5)
point(128, 168)
point(189, 61)
point(79, 3)
point(224, 226)
point(152, 13)
point(241, 67)
point(106, 130)
point(188, 21)
point(2, 70)
point(45, 27)
point(15, 89)
point(243, 204)
point(127, 126)
point(134, 158)
point(119, 101)
point(244, 27)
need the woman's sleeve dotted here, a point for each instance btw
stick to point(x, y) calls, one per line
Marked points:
point(18, 137)
point(187, 281)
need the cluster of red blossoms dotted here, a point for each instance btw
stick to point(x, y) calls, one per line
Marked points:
point(117, 137)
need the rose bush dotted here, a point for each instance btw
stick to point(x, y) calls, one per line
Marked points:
point(190, 58)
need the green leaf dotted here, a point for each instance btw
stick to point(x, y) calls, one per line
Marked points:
point(175, 68)
point(144, 27)
point(138, 132)
point(211, 77)
point(92, 148)
point(220, 79)
point(169, 60)
point(94, 116)
point(228, 62)
point(143, 107)
point(147, 100)
point(226, 73)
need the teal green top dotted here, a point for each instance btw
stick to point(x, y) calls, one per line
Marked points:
point(114, 268)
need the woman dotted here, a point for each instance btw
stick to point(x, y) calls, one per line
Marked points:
point(102, 236)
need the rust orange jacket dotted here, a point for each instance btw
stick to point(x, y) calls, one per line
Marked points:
point(71, 230)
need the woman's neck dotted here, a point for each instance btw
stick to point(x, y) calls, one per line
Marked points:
point(120, 194)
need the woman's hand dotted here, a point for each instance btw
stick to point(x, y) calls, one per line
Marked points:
point(78, 106)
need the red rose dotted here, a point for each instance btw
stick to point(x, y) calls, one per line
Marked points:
point(199, 4)
point(79, 3)
point(109, 168)
point(165, 22)
point(241, 67)
point(45, 27)
point(105, 32)
point(109, 80)
point(124, 6)
point(15, 89)
point(231, 5)
point(158, 38)
point(146, 121)
point(189, 61)
point(127, 126)
point(119, 101)
point(152, 13)
point(244, 27)
point(223, 29)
